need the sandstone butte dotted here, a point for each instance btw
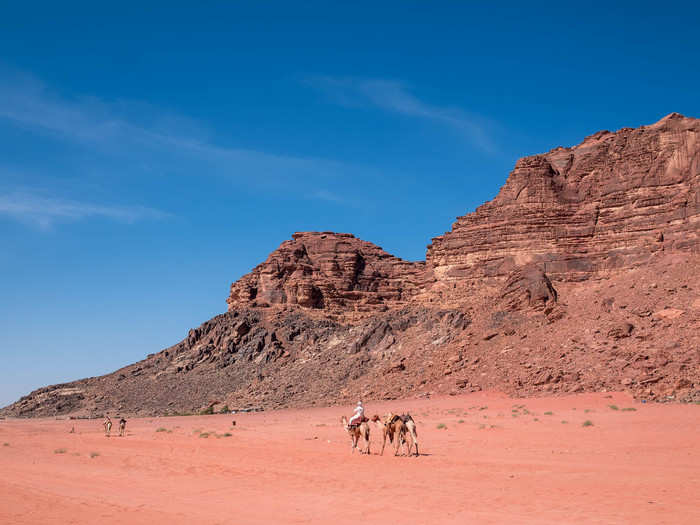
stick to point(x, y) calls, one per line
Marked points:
point(580, 275)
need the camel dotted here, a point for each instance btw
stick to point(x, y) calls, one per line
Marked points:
point(122, 427)
point(397, 427)
point(393, 428)
point(108, 426)
point(411, 431)
point(355, 432)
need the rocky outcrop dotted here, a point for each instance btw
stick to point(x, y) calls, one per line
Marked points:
point(503, 301)
point(608, 203)
point(528, 287)
point(332, 271)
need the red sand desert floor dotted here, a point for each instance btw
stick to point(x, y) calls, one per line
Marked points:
point(493, 460)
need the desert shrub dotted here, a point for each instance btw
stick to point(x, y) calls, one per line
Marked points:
point(629, 409)
point(94, 454)
point(60, 451)
point(161, 429)
point(613, 407)
point(207, 411)
point(204, 435)
point(549, 413)
point(587, 423)
point(224, 410)
point(442, 426)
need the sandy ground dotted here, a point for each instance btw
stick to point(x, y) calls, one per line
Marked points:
point(497, 460)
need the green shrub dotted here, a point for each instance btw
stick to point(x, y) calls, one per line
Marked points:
point(207, 411)
point(161, 429)
point(587, 423)
point(613, 407)
point(442, 426)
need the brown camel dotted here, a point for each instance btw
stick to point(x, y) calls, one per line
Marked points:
point(393, 428)
point(397, 428)
point(356, 432)
point(122, 427)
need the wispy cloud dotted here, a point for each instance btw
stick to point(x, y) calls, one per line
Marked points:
point(395, 97)
point(42, 211)
point(137, 130)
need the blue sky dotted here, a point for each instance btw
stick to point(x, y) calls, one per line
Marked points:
point(151, 156)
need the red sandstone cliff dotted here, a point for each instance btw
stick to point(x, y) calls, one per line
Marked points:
point(326, 270)
point(499, 303)
point(608, 203)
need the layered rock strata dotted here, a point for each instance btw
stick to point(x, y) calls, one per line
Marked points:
point(326, 270)
point(608, 203)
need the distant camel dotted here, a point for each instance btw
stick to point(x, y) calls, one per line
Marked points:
point(412, 432)
point(122, 427)
point(355, 432)
point(108, 426)
point(392, 427)
point(396, 428)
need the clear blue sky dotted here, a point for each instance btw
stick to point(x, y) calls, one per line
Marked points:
point(149, 156)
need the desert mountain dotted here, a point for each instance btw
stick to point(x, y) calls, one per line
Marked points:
point(581, 275)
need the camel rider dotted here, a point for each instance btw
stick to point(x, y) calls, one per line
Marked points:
point(356, 419)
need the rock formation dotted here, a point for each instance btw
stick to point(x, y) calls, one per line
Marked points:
point(581, 275)
point(326, 270)
point(608, 203)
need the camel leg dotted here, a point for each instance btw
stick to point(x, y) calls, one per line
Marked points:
point(414, 438)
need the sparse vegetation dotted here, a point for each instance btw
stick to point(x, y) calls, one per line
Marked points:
point(613, 407)
point(207, 411)
point(94, 454)
point(587, 423)
point(629, 409)
point(564, 422)
point(460, 421)
point(60, 451)
point(548, 413)
point(204, 435)
point(224, 410)
point(5, 444)
point(226, 434)
point(588, 410)
point(161, 429)
point(442, 426)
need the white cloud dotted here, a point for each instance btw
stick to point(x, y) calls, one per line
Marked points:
point(138, 131)
point(394, 97)
point(41, 211)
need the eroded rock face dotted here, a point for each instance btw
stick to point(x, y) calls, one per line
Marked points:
point(528, 287)
point(608, 203)
point(327, 270)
